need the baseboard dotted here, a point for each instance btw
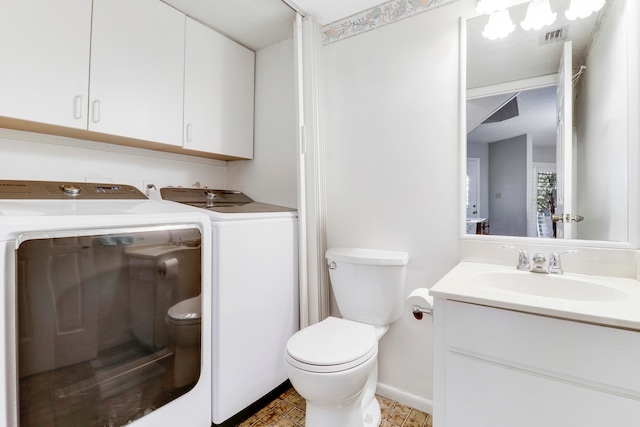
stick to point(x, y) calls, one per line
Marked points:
point(408, 399)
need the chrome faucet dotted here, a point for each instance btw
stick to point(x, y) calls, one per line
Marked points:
point(523, 258)
point(539, 263)
point(554, 262)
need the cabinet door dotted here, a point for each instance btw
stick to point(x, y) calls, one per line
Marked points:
point(137, 70)
point(480, 393)
point(219, 86)
point(44, 46)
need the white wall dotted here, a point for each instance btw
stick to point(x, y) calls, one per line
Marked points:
point(508, 187)
point(392, 144)
point(602, 134)
point(271, 176)
point(544, 154)
point(481, 151)
point(30, 156)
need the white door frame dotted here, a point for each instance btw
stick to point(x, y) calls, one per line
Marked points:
point(312, 271)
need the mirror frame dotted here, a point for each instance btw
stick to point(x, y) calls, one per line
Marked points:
point(633, 142)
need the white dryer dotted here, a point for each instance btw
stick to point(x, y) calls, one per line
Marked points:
point(86, 268)
point(255, 296)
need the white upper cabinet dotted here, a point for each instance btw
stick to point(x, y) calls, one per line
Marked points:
point(125, 68)
point(219, 93)
point(137, 70)
point(44, 46)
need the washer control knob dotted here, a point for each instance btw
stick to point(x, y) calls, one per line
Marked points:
point(72, 190)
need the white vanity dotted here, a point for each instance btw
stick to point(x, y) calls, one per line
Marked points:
point(517, 348)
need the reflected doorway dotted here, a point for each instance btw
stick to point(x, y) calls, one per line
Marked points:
point(545, 183)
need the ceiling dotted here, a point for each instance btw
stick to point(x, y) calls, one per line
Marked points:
point(260, 23)
point(537, 117)
point(252, 23)
point(521, 55)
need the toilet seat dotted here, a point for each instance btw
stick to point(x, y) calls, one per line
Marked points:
point(187, 312)
point(332, 345)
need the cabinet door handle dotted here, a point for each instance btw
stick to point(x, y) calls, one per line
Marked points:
point(77, 107)
point(189, 132)
point(95, 111)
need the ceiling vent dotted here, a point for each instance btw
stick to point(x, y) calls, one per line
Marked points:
point(557, 35)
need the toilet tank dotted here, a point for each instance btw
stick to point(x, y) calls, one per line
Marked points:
point(368, 284)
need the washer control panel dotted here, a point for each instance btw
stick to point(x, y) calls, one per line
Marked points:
point(41, 190)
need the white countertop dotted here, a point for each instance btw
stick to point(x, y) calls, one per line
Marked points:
point(461, 284)
point(476, 220)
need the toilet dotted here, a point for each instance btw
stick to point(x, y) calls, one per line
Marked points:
point(183, 323)
point(160, 276)
point(333, 364)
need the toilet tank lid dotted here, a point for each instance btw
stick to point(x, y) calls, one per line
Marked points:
point(368, 256)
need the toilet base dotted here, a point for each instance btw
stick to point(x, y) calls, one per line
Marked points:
point(372, 413)
point(370, 406)
point(186, 365)
point(352, 414)
point(359, 410)
point(348, 414)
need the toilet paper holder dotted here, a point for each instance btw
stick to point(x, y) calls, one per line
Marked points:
point(419, 312)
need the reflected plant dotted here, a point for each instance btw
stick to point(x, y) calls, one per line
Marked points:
point(547, 188)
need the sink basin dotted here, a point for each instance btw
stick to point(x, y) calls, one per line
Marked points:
point(547, 286)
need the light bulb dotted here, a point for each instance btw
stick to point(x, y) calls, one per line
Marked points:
point(499, 26)
point(583, 8)
point(539, 15)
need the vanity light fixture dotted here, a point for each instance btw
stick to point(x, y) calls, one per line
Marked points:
point(539, 15)
point(583, 8)
point(499, 26)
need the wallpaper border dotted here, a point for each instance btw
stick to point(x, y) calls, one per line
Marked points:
point(386, 13)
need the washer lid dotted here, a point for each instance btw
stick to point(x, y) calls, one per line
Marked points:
point(333, 342)
point(223, 201)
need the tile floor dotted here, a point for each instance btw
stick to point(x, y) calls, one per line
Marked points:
point(287, 410)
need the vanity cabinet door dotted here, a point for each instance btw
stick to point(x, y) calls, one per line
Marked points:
point(480, 393)
point(219, 93)
point(137, 70)
point(44, 46)
point(498, 367)
point(546, 344)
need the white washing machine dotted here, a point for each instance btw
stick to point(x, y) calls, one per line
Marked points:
point(255, 295)
point(89, 273)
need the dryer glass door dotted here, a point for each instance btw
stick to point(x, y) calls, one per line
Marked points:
point(94, 346)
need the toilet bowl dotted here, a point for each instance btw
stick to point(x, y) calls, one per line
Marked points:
point(184, 326)
point(333, 364)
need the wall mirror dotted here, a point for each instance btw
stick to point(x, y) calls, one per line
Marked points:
point(547, 126)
